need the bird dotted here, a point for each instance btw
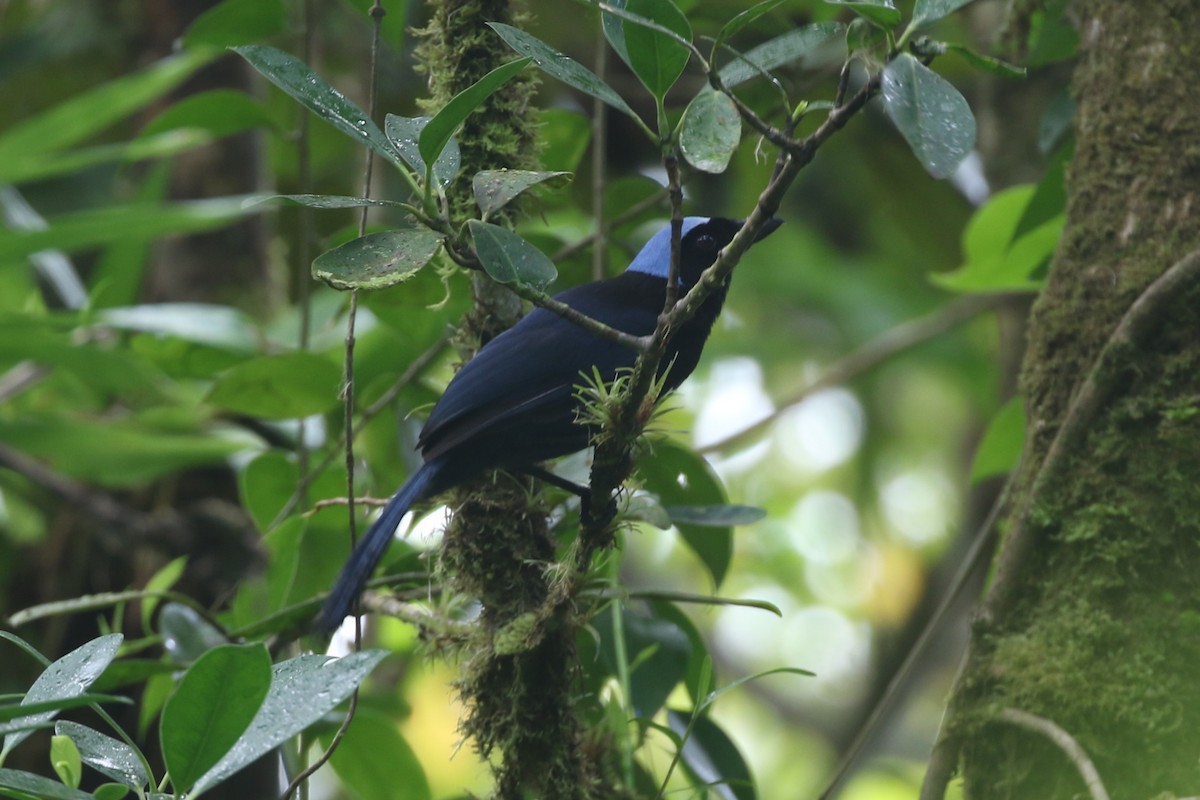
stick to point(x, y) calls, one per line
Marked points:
point(515, 404)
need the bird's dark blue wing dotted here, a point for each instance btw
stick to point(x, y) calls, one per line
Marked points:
point(513, 403)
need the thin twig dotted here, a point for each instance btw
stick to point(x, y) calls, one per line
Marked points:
point(882, 348)
point(1065, 742)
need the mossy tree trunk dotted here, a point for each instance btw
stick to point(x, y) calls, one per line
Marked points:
point(519, 668)
point(1092, 623)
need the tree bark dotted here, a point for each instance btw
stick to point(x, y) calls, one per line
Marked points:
point(1089, 632)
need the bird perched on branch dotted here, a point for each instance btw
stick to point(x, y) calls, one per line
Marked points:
point(515, 404)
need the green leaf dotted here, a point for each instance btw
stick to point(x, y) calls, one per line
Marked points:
point(508, 258)
point(113, 791)
point(378, 260)
point(294, 77)
point(216, 700)
point(19, 713)
point(118, 452)
point(303, 690)
point(656, 57)
point(778, 51)
point(986, 63)
point(161, 581)
point(1002, 443)
point(926, 11)
point(932, 116)
point(681, 477)
point(106, 755)
point(67, 677)
point(882, 12)
point(219, 112)
point(716, 516)
point(373, 759)
point(742, 20)
point(236, 22)
point(659, 649)
point(279, 387)
point(319, 201)
point(710, 131)
point(81, 118)
point(217, 326)
point(998, 257)
point(64, 758)
point(83, 229)
point(28, 785)
point(711, 757)
point(266, 484)
point(559, 66)
point(494, 189)
point(40, 166)
point(565, 136)
point(715, 693)
point(446, 122)
point(187, 636)
point(404, 133)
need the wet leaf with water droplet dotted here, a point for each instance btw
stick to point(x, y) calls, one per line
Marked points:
point(932, 116)
point(710, 131)
point(508, 258)
point(495, 188)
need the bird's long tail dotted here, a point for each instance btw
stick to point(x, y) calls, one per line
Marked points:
point(370, 550)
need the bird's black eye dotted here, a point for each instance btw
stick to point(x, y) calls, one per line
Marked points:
point(706, 242)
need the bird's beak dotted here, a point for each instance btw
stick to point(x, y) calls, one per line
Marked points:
point(768, 228)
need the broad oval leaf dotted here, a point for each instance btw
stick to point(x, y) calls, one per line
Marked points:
point(926, 11)
point(186, 635)
point(378, 260)
point(438, 131)
point(1002, 443)
point(656, 57)
point(67, 677)
point(562, 67)
point(375, 760)
point(882, 12)
point(495, 188)
point(710, 131)
point(212, 707)
point(303, 689)
point(508, 258)
point(932, 116)
point(712, 759)
point(287, 386)
point(680, 476)
point(106, 755)
point(294, 77)
point(405, 132)
point(778, 51)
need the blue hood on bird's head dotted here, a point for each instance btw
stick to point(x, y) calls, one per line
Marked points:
point(701, 240)
point(655, 256)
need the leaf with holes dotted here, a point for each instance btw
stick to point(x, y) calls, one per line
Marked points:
point(378, 260)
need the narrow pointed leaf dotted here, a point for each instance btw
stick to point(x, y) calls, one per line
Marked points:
point(404, 133)
point(294, 77)
point(926, 11)
point(986, 63)
point(508, 258)
point(710, 131)
point(318, 201)
point(212, 707)
point(932, 116)
point(378, 260)
point(882, 12)
point(303, 689)
point(106, 755)
point(715, 516)
point(743, 19)
point(494, 189)
point(80, 118)
point(67, 677)
point(656, 57)
point(778, 51)
point(26, 784)
point(562, 67)
point(20, 712)
point(438, 131)
point(40, 166)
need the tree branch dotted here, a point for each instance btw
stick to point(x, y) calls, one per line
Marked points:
point(1065, 742)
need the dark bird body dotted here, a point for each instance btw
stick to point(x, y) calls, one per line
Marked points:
point(514, 404)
